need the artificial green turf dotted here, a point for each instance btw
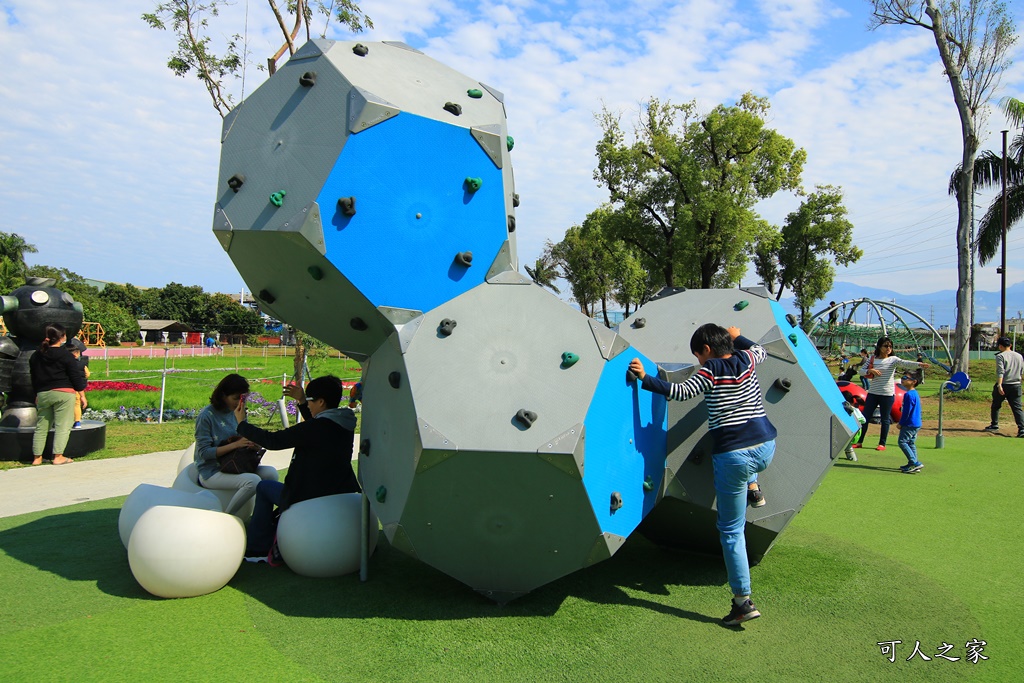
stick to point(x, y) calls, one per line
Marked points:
point(875, 556)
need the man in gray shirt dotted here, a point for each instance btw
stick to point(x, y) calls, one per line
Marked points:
point(1009, 366)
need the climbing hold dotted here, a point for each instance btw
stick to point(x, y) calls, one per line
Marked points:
point(446, 327)
point(358, 324)
point(395, 379)
point(740, 305)
point(266, 296)
point(648, 483)
point(616, 502)
point(474, 184)
point(631, 376)
point(791, 319)
point(848, 407)
point(464, 258)
point(315, 273)
point(511, 223)
point(515, 199)
point(347, 206)
point(475, 93)
point(382, 494)
point(569, 359)
point(361, 50)
point(277, 199)
point(793, 338)
point(784, 383)
point(308, 79)
point(236, 181)
point(453, 108)
point(639, 322)
point(510, 142)
point(526, 418)
point(364, 447)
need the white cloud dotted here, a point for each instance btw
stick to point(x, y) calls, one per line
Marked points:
point(108, 162)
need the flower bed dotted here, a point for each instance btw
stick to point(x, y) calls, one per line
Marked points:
point(125, 414)
point(106, 385)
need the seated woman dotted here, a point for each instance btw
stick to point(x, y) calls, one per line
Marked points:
point(215, 424)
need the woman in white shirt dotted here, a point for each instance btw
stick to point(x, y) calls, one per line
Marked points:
point(879, 369)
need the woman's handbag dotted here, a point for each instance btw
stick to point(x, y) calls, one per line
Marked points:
point(241, 460)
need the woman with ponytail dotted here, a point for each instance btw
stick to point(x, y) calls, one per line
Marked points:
point(56, 377)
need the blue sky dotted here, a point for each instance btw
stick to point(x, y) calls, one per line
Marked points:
point(108, 162)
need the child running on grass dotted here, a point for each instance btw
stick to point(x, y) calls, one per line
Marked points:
point(744, 440)
point(910, 422)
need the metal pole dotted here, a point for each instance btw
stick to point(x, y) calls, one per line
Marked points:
point(364, 541)
point(1002, 270)
point(163, 388)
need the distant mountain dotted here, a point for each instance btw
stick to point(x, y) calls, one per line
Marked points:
point(938, 308)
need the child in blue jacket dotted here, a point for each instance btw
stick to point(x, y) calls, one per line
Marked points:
point(910, 422)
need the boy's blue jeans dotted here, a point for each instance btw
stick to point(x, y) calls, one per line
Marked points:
point(733, 471)
point(908, 444)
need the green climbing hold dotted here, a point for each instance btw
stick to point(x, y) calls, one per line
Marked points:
point(741, 305)
point(569, 359)
point(475, 93)
point(648, 483)
point(510, 142)
point(382, 494)
point(474, 184)
point(277, 199)
point(315, 272)
point(793, 338)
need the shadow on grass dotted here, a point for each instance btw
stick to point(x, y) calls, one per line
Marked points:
point(85, 546)
point(77, 546)
point(400, 587)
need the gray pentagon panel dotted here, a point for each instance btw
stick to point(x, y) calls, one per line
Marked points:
point(389, 447)
point(415, 83)
point(282, 143)
point(502, 523)
point(302, 287)
point(799, 397)
point(504, 355)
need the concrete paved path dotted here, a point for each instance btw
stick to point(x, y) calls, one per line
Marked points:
point(30, 489)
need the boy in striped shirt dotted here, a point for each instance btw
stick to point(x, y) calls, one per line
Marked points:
point(743, 437)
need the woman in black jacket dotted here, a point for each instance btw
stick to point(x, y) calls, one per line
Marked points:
point(56, 376)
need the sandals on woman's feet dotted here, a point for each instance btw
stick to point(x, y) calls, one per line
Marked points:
point(65, 461)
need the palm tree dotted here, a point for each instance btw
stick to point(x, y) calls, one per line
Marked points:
point(13, 248)
point(544, 272)
point(988, 172)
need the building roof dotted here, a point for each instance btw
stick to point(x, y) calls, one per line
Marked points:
point(163, 326)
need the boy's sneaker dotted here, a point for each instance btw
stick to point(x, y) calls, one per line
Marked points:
point(256, 559)
point(992, 428)
point(911, 468)
point(77, 425)
point(741, 613)
point(755, 498)
point(856, 445)
point(880, 447)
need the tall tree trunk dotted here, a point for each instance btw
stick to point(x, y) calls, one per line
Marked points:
point(965, 195)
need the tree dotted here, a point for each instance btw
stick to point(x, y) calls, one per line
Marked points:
point(988, 172)
point(544, 272)
point(13, 268)
point(973, 38)
point(190, 21)
point(129, 297)
point(227, 315)
point(799, 256)
point(685, 187)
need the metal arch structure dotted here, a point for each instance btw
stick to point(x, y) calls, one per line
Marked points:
point(878, 307)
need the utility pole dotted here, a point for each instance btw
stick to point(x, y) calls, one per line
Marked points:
point(1002, 268)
